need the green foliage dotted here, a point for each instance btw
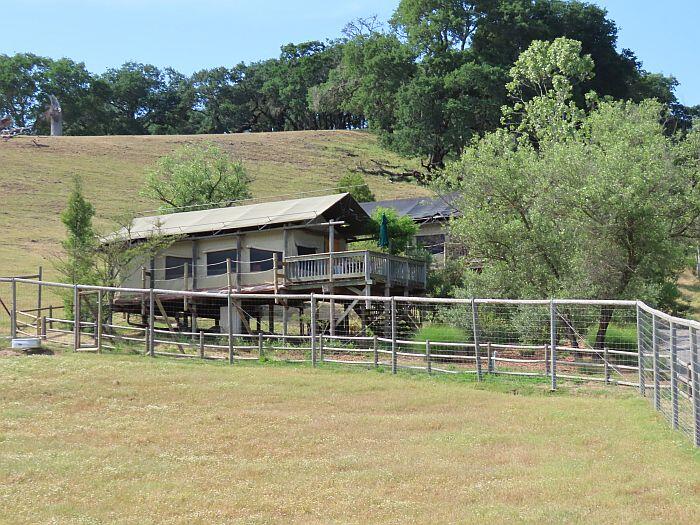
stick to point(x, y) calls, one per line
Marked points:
point(401, 229)
point(80, 240)
point(542, 87)
point(355, 184)
point(197, 177)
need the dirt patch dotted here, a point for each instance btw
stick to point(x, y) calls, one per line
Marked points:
point(11, 352)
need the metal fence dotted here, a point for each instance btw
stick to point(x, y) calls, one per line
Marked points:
point(623, 343)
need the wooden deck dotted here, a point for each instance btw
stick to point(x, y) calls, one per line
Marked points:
point(359, 265)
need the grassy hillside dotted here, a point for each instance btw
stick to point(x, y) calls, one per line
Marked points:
point(35, 179)
point(116, 439)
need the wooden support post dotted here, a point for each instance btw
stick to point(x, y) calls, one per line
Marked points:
point(152, 321)
point(261, 346)
point(13, 311)
point(393, 336)
point(640, 353)
point(76, 317)
point(331, 309)
point(271, 318)
point(186, 283)
point(606, 365)
point(313, 329)
point(143, 299)
point(201, 344)
point(427, 357)
point(50, 317)
point(553, 343)
point(285, 323)
point(98, 323)
point(274, 277)
point(475, 329)
point(695, 369)
point(239, 263)
point(375, 347)
point(674, 374)
point(320, 348)
point(229, 310)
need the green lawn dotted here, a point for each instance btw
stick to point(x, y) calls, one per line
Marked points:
point(105, 439)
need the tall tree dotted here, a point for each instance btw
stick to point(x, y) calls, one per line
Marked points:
point(603, 206)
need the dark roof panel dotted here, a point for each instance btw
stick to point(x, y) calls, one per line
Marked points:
point(420, 209)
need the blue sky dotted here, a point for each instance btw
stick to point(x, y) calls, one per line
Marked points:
point(190, 35)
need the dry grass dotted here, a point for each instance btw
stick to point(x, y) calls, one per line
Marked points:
point(103, 439)
point(35, 180)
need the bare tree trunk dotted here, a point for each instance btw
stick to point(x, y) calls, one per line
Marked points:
point(606, 313)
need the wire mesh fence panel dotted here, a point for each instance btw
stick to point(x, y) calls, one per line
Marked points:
point(612, 342)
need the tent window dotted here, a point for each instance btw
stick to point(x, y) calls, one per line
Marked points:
point(175, 267)
point(216, 261)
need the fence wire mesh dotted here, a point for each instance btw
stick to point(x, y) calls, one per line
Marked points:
point(613, 342)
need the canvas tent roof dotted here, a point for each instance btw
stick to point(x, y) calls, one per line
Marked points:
point(217, 220)
point(420, 209)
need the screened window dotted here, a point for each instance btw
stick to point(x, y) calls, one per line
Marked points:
point(261, 260)
point(432, 243)
point(175, 267)
point(216, 261)
point(305, 250)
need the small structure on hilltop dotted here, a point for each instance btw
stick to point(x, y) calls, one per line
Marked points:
point(54, 114)
point(293, 246)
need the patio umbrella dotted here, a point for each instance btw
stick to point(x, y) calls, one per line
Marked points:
point(384, 232)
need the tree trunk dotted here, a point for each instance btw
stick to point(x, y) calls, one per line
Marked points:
point(606, 313)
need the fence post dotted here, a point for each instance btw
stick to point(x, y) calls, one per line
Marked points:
point(151, 320)
point(76, 317)
point(606, 365)
point(320, 348)
point(640, 352)
point(229, 310)
point(201, 344)
point(695, 369)
point(98, 323)
point(313, 330)
point(553, 343)
point(43, 328)
point(475, 327)
point(393, 335)
point(489, 360)
point(674, 375)
point(40, 275)
point(376, 351)
point(13, 311)
point(261, 346)
point(655, 351)
point(427, 356)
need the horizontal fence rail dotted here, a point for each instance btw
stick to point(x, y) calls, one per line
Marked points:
point(625, 343)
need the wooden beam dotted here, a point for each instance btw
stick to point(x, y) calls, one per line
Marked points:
point(167, 322)
point(346, 312)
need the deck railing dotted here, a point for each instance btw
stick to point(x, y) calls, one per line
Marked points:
point(357, 264)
